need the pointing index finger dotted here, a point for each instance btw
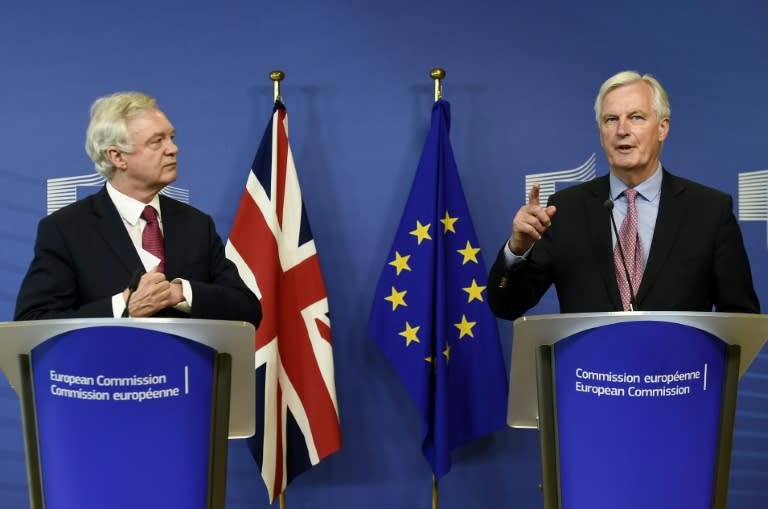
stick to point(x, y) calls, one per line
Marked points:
point(533, 196)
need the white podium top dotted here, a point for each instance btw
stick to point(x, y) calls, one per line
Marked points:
point(750, 331)
point(235, 338)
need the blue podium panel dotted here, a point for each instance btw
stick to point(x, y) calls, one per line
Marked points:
point(638, 415)
point(124, 419)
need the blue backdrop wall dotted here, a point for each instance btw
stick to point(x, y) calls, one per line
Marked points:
point(522, 77)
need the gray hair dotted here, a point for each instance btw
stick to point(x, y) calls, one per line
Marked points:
point(660, 98)
point(108, 127)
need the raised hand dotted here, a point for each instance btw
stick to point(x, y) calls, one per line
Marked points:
point(530, 222)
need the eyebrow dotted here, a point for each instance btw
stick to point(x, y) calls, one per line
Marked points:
point(161, 134)
point(633, 112)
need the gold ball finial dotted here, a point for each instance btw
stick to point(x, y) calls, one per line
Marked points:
point(437, 73)
point(277, 75)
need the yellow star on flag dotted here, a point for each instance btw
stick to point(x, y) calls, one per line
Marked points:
point(475, 291)
point(401, 263)
point(421, 232)
point(465, 327)
point(447, 352)
point(410, 334)
point(397, 298)
point(448, 223)
point(469, 253)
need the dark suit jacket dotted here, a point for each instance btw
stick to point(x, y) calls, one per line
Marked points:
point(697, 259)
point(84, 256)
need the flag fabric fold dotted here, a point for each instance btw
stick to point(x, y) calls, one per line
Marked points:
point(297, 421)
point(429, 314)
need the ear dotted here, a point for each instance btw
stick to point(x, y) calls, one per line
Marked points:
point(116, 157)
point(663, 129)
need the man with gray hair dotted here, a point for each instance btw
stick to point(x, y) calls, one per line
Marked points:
point(86, 253)
point(679, 247)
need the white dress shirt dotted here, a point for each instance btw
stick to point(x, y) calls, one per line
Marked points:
point(130, 212)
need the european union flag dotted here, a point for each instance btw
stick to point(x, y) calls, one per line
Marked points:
point(429, 313)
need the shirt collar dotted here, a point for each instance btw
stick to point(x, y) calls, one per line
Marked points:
point(129, 208)
point(649, 189)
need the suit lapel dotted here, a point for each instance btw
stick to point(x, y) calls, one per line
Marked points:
point(110, 226)
point(598, 224)
point(668, 221)
point(173, 235)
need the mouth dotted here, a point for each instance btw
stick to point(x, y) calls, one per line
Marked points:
point(624, 148)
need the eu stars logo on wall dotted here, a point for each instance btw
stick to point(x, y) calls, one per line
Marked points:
point(753, 196)
point(65, 190)
point(582, 173)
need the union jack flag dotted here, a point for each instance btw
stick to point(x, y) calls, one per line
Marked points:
point(297, 416)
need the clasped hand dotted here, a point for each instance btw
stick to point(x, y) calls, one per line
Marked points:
point(153, 294)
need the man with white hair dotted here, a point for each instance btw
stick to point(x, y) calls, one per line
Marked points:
point(680, 243)
point(86, 253)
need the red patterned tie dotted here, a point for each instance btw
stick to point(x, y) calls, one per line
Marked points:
point(152, 237)
point(632, 252)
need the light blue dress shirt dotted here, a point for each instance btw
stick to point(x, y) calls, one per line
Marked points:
point(647, 202)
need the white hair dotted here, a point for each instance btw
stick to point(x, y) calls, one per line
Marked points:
point(108, 128)
point(660, 98)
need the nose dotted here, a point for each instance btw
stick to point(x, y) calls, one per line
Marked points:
point(172, 148)
point(621, 127)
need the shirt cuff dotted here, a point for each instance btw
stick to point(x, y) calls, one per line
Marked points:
point(184, 306)
point(512, 259)
point(118, 305)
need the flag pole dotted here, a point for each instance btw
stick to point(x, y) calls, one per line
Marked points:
point(435, 492)
point(277, 77)
point(438, 74)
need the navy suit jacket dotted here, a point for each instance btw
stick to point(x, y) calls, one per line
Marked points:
point(84, 256)
point(697, 260)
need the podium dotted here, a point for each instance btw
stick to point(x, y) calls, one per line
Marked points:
point(130, 412)
point(634, 409)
